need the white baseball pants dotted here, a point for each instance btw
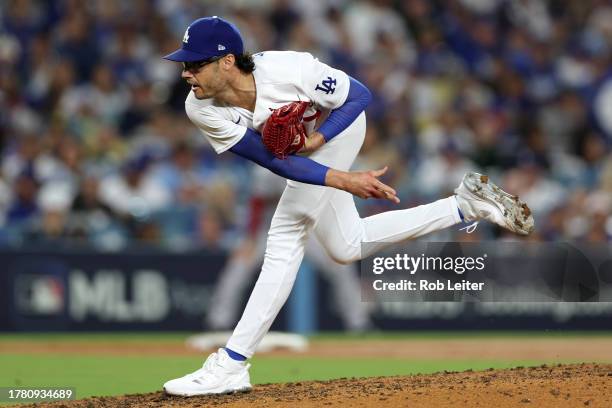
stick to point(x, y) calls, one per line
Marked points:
point(337, 225)
point(343, 279)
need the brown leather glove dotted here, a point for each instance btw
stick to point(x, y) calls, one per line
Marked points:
point(284, 133)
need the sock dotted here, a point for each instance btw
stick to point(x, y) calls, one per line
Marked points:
point(460, 214)
point(234, 355)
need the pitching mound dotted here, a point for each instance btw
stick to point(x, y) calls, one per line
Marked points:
point(545, 386)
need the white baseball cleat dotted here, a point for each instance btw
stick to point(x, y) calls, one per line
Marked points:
point(478, 198)
point(220, 374)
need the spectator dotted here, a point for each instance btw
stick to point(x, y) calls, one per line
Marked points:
point(24, 206)
point(133, 192)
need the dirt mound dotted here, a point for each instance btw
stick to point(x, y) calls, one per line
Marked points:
point(544, 386)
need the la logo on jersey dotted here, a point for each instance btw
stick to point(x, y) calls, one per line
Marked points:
point(186, 36)
point(327, 85)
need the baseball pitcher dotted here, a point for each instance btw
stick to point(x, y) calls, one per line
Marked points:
point(263, 107)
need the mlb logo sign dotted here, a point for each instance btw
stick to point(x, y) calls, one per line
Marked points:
point(39, 295)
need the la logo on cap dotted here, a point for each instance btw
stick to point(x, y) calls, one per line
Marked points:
point(186, 36)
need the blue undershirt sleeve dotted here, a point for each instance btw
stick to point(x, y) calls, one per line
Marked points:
point(339, 119)
point(294, 167)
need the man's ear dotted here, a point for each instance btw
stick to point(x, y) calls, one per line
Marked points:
point(228, 61)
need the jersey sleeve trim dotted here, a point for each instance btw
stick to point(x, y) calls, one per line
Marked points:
point(211, 124)
point(232, 144)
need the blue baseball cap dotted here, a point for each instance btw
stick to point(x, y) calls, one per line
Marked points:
point(207, 38)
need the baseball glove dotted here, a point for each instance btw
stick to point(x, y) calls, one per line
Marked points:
point(284, 133)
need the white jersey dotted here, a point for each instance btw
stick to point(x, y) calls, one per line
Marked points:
point(281, 77)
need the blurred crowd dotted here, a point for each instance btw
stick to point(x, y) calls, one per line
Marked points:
point(96, 148)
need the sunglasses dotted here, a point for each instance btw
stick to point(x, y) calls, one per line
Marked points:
point(195, 66)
